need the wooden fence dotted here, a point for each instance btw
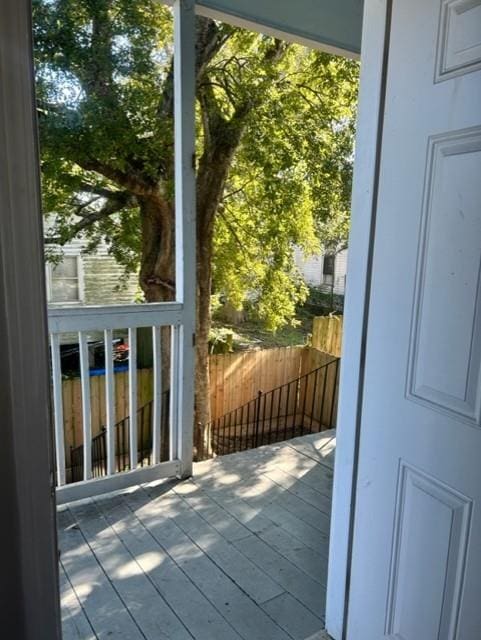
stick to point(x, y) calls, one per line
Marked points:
point(72, 402)
point(235, 379)
point(327, 334)
point(305, 404)
point(321, 391)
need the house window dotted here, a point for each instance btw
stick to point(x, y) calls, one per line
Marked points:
point(63, 281)
point(328, 268)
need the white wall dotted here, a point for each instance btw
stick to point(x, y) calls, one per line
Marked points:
point(311, 269)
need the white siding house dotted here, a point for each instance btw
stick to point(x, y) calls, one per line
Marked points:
point(327, 271)
point(90, 279)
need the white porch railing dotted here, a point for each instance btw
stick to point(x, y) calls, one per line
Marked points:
point(129, 318)
point(179, 315)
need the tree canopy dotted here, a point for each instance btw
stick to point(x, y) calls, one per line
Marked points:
point(104, 90)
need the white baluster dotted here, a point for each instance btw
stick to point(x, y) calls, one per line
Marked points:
point(157, 409)
point(110, 400)
point(86, 415)
point(133, 397)
point(58, 407)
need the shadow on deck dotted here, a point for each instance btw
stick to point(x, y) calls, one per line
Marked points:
point(238, 551)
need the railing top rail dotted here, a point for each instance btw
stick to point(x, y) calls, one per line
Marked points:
point(98, 318)
point(285, 384)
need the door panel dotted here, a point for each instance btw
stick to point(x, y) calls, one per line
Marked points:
point(416, 567)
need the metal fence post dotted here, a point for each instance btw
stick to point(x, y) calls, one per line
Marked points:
point(257, 417)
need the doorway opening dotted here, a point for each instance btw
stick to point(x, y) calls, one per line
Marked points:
point(245, 542)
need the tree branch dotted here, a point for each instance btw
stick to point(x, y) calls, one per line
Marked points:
point(210, 37)
point(122, 200)
point(133, 183)
point(99, 190)
point(240, 244)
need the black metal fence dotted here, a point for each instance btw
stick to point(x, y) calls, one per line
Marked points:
point(305, 405)
point(122, 443)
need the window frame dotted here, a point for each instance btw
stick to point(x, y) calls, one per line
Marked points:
point(328, 278)
point(80, 283)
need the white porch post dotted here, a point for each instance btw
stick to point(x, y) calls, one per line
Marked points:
point(185, 225)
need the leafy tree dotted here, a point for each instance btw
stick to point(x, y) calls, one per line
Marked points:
point(275, 141)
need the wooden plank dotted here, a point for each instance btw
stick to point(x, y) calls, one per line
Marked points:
point(69, 423)
point(239, 610)
point(287, 575)
point(294, 617)
point(259, 586)
point(77, 402)
point(198, 615)
point(75, 624)
point(213, 544)
point(139, 594)
point(235, 521)
point(95, 404)
point(212, 386)
point(220, 388)
point(312, 562)
point(218, 518)
point(145, 386)
point(280, 504)
point(282, 513)
point(121, 394)
point(102, 605)
point(327, 334)
point(102, 402)
point(320, 447)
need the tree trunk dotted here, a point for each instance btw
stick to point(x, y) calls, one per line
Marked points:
point(211, 176)
point(157, 260)
point(203, 324)
point(157, 280)
point(158, 283)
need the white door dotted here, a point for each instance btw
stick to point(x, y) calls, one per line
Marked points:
point(416, 566)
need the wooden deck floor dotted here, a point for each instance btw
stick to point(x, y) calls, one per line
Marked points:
point(239, 551)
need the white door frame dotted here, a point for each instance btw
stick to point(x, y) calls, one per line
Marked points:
point(28, 581)
point(374, 54)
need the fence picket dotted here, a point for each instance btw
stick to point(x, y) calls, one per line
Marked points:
point(327, 334)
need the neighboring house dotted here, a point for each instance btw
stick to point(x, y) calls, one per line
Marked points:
point(89, 279)
point(327, 270)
